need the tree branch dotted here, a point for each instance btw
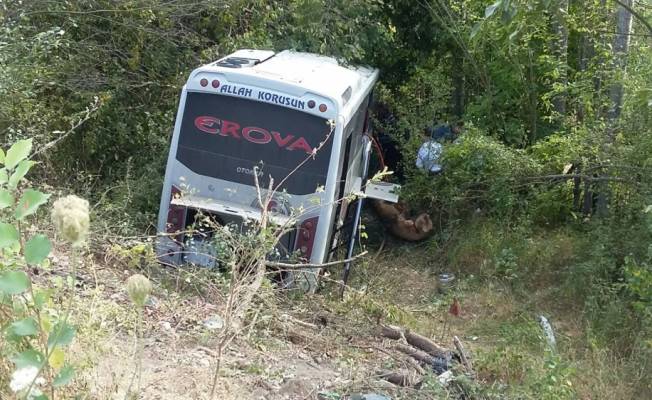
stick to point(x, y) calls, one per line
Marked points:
point(313, 266)
point(89, 111)
point(572, 176)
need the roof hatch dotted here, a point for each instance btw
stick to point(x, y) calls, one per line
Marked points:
point(244, 58)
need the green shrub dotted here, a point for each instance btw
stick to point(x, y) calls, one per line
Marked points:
point(480, 174)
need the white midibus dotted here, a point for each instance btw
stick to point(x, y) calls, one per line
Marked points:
point(270, 110)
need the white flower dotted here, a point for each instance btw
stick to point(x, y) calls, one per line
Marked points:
point(138, 288)
point(70, 217)
point(22, 378)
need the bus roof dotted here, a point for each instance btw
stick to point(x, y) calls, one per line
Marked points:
point(318, 74)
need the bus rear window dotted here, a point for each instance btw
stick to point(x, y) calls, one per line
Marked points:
point(225, 137)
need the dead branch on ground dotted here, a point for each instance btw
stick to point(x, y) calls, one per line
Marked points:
point(290, 266)
point(418, 355)
point(397, 378)
point(463, 355)
point(416, 340)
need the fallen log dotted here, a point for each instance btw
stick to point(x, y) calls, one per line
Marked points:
point(418, 355)
point(416, 340)
point(391, 332)
point(396, 378)
point(415, 364)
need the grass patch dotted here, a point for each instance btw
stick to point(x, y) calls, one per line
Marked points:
point(507, 277)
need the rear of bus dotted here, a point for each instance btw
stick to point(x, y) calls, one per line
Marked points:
point(232, 124)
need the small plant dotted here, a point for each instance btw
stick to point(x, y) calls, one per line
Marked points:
point(138, 289)
point(35, 334)
point(507, 264)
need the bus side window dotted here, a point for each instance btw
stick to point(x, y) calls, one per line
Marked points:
point(355, 160)
point(350, 166)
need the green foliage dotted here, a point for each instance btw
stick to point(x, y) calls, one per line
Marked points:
point(8, 235)
point(6, 199)
point(117, 74)
point(28, 358)
point(29, 203)
point(61, 335)
point(520, 361)
point(14, 282)
point(25, 327)
point(355, 32)
point(479, 173)
point(419, 102)
point(37, 249)
point(64, 376)
point(104, 77)
point(32, 335)
point(17, 153)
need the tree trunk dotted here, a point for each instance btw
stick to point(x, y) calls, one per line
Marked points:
point(620, 50)
point(585, 54)
point(620, 47)
point(458, 84)
point(560, 49)
point(533, 99)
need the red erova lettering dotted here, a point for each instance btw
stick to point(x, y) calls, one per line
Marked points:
point(207, 124)
point(252, 134)
point(266, 137)
point(301, 144)
point(230, 128)
point(281, 142)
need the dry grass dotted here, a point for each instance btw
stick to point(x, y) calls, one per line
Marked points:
point(330, 346)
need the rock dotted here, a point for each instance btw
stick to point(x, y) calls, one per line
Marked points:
point(213, 322)
point(445, 377)
point(152, 302)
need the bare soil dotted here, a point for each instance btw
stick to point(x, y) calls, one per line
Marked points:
point(305, 348)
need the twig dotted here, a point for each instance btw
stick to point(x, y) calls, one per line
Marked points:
point(89, 111)
point(291, 266)
point(253, 323)
point(299, 322)
point(572, 176)
point(465, 359)
point(380, 248)
point(407, 362)
point(415, 364)
point(446, 324)
point(311, 156)
point(208, 351)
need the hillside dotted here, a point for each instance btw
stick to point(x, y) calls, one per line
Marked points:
point(520, 132)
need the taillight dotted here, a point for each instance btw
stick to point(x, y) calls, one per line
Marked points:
point(322, 107)
point(306, 236)
point(176, 216)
